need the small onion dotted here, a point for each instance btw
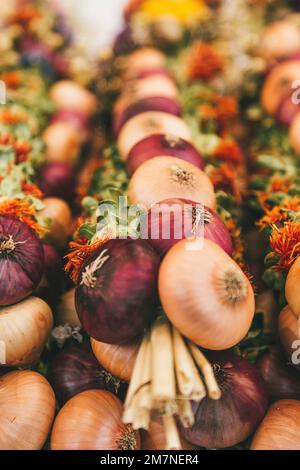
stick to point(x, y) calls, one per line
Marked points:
point(282, 380)
point(92, 420)
point(278, 84)
point(69, 95)
point(57, 180)
point(59, 215)
point(175, 219)
point(118, 287)
point(292, 288)
point(49, 286)
point(155, 438)
point(24, 330)
point(145, 124)
point(63, 143)
point(65, 313)
point(160, 144)
point(27, 406)
point(233, 418)
point(289, 332)
point(294, 134)
point(118, 359)
point(154, 103)
point(76, 119)
point(21, 260)
point(280, 39)
point(280, 430)
point(287, 110)
point(144, 58)
point(205, 294)
point(76, 369)
point(163, 178)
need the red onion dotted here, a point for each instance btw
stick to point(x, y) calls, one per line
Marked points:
point(21, 260)
point(50, 286)
point(157, 145)
point(281, 378)
point(155, 103)
point(232, 419)
point(117, 295)
point(77, 119)
point(75, 369)
point(57, 180)
point(287, 110)
point(172, 220)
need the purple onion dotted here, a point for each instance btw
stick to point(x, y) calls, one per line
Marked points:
point(172, 220)
point(155, 103)
point(157, 145)
point(287, 110)
point(77, 119)
point(281, 378)
point(76, 369)
point(117, 295)
point(234, 417)
point(49, 288)
point(57, 180)
point(21, 260)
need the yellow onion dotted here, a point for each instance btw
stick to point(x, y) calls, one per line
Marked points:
point(163, 178)
point(289, 332)
point(280, 39)
point(59, 215)
point(144, 58)
point(71, 96)
point(63, 143)
point(92, 420)
point(155, 438)
point(27, 405)
point(65, 313)
point(278, 84)
point(294, 133)
point(118, 359)
point(205, 294)
point(280, 429)
point(150, 122)
point(24, 330)
point(292, 293)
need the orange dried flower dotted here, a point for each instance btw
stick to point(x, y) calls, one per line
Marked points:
point(285, 242)
point(279, 214)
point(22, 149)
point(11, 116)
point(228, 150)
point(227, 107)
point(12, 79)
point(225, 178)
point(78, 255)
point(25, 14)
point(31, 189)
point(205, 61)
point(23, 211)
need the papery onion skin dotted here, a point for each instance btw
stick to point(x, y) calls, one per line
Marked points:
point(27, 405)
point(205, 294)
point(155, 103)
point(233, 418)
point(173, 212)
point(160, 144)
point(169, 177)
point(281, 378)
point(124, 292)
point(292, 288)
point(76, 369)
point(57, 180)
point(289, 333)
point(24, 329)
point(155, 438)
point(21, 260)
point(92, 420)
point(118, 359)
point(66, 311)
point(280, 429)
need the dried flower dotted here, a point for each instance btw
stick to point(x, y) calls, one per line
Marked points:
point(205, 61)
point(23, 210)
point(285, 243)
point(229, 151)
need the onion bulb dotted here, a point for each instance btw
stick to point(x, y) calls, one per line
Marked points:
point(280, 39)
point(27, 405)
point(21, 260)
point(63, 143)
point(169, 177)
point(289, 332)
point(175, 219)
point(144, 58)
point(287, 110)
point(282, 380)
point(65, 313)
point(76, 119)
point(278, 84)
point(118, 359)
point(205, 294)
point(161, 144)
point(57, 180)
point(292, 287)
point(71, 96)
point(92, 420)
point(24, 330)
point(145, 124)
point(280, 430)
point(76, 369)
point(294, 134)
point(59, 215)
point(233, 418)
point(155, 438)
point(118, 286)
